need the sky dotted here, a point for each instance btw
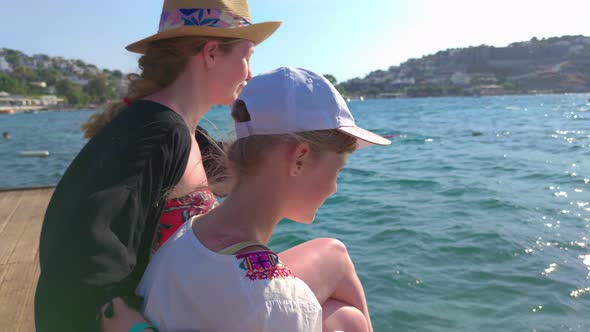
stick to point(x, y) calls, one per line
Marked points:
point(344, 38)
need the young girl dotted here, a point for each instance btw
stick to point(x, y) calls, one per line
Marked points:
point(215, 273)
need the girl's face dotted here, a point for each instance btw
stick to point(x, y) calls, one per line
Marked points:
point(315, 183)
point(232, 72)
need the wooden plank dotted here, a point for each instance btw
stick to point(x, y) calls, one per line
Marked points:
point(17, 223)
point(3, 195)
point(8, 207)
point(3, 271)
point(26, 317)
point(47, 191)
point(45, 196)
point(27, 245)
point(21, 216)
point(17, 286)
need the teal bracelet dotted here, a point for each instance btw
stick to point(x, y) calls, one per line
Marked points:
point(139, 327)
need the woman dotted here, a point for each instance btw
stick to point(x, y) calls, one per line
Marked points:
point(184, 71)
point(100, 223)
point(216, 273)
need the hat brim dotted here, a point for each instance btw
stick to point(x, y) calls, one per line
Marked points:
point(256, 33)
point(365, 137)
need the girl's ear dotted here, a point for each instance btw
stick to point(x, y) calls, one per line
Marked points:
point(210, 53)
point(299, 158)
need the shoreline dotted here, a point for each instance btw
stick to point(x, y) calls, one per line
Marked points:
point(538, 93)
point(349, 98)
point(28, 109)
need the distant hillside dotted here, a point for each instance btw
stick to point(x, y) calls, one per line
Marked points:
point(553, 65)
point(78, 82)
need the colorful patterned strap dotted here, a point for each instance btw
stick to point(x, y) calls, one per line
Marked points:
point(212, 18)
point(234, 249)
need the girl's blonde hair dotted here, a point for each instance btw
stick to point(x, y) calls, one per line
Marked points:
point(161, 65)
point(242, 156)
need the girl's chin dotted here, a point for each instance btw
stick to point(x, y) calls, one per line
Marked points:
point(232, 98)
point(228, 101)
point(304, 219)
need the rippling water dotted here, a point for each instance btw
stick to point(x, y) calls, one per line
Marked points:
point(476, 218)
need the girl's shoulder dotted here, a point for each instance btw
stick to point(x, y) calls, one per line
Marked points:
point(280, 298)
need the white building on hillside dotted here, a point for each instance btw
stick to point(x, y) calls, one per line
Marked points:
point(77, 81)
point(404, 81)
point(460, 78)
point(41, 85)
point(4, 65)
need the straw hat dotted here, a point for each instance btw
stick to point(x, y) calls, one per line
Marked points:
point(213, 18)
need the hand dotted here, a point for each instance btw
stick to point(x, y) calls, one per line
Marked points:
point(123, 318)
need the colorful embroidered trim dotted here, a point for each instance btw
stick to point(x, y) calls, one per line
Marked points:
point(214, 18)
point(264, 265)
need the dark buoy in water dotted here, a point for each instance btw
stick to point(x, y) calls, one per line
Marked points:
point(6, 135)
point(476, 133)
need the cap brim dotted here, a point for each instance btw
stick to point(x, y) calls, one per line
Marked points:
point(365, 137)
point(256, 33)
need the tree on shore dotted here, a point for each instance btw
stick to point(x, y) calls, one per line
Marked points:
point(50, 76)
point(117, 74)
point(99, 90)
point(72, 92)
point(331, 78)
point(11, 85)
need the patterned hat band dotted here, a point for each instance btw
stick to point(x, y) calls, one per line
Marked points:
point(213, 18)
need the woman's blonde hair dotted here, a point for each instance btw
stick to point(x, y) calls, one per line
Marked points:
point(242, 156)
point(161, 65)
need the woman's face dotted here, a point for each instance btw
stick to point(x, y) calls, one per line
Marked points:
point(314, 185)
point(232, 72)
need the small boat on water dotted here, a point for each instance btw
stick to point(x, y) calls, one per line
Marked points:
point(39, 153)
point(6, 111)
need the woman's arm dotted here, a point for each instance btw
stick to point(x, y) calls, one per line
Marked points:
point(100, 224)
point(117, 316)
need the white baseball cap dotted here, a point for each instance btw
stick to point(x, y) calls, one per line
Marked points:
point(290, 100)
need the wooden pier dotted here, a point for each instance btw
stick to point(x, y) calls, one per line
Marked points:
point(21, 216)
